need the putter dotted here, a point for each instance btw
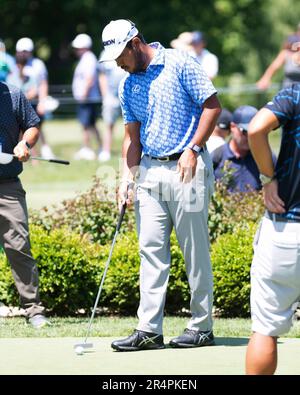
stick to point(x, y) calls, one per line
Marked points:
point(7, 158)
point(81, 347)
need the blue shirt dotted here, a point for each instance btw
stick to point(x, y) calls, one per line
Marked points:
point(246, 174)
point(16, 115)
point(286, 106)
point(167, 100)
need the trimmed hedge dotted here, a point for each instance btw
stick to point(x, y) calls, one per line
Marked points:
point(231, 257)
point(69, 270)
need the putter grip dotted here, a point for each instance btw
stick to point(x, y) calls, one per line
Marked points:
point(122, 212)
point(62, 162)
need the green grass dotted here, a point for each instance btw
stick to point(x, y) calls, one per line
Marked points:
point(116, 326)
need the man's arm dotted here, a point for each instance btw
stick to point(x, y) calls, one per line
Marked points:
point(188, 161)
point(259, 128)
point(131, 155)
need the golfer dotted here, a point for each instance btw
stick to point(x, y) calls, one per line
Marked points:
point(18, 133)
point(275, 271)
point(170, 109)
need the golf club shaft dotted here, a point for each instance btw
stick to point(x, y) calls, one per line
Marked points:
point(60, 161)
point(122, 212)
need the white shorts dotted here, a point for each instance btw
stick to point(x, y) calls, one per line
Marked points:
point(275, 277)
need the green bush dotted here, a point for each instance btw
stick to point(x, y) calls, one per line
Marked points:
point(8, 292)
point(231, 257)
point(122, 282)
point(91, 213)
point(69, 267)
point(229, 210)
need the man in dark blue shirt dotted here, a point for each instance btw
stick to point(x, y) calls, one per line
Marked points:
point(236, 156)
point(19, 131)
point(275, 271)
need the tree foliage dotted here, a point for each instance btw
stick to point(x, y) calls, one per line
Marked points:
point(245, 34)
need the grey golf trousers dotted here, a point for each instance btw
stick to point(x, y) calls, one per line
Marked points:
point(14, 237)
point(163, 202)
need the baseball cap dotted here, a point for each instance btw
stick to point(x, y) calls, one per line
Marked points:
point(224, 119)
point(197, 37)
point(82, 41)
point(183, 41)
point(24, 44)
point(243, 115)
point(115, 36)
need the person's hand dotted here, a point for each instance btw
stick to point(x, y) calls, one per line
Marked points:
point(40, 108)
point(263, 84)
point(271, 199)
point(186, 166)
point(21, 151)
point(125, 193)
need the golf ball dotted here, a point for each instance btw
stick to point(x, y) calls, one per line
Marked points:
point(79, 350)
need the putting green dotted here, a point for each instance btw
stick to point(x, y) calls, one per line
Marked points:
point(35, 356)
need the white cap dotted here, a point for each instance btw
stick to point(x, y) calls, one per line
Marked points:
point(82, 41)
point(115, 36)
point(183, 41)
point(24, 44)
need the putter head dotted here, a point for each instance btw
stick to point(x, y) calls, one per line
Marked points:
point(85, 346)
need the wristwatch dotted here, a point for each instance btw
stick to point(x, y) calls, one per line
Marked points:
point(26, 143)
point(265, 179)
point(194, 147)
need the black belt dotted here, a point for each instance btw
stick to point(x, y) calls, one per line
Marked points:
point(172, 157)
point(279, 218)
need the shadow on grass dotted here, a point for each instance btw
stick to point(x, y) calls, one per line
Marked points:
point(231, 341)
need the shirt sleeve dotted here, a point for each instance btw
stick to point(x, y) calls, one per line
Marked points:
point(282, 105)
point(196, 82)
point(26, 116)
point(127, 113)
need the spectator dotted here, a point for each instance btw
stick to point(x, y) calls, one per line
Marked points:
point(7, 63)
point(36, 69)
point(18, 133)
point(194, 43)
point(275, 271)
point(167, 120)
point(27, 83)
point(86, 91)
point(110, 76)
point(288, 59)
point(220, 132)
point(236, 154)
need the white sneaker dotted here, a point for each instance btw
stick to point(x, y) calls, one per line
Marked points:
point(85, 153)
point(104, 156)
point(46, 152)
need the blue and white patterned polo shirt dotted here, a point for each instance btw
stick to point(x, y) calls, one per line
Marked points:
point(167, 100)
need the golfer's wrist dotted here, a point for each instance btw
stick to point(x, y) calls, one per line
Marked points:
point(27, 145)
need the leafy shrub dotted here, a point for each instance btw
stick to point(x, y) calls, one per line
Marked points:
point(8, 292)
point(92, 213)
point(229, 210)
point(122, 281)
point(69, 268)
point(231, 259)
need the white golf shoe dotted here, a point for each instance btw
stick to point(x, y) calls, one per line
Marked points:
point(85, 153)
